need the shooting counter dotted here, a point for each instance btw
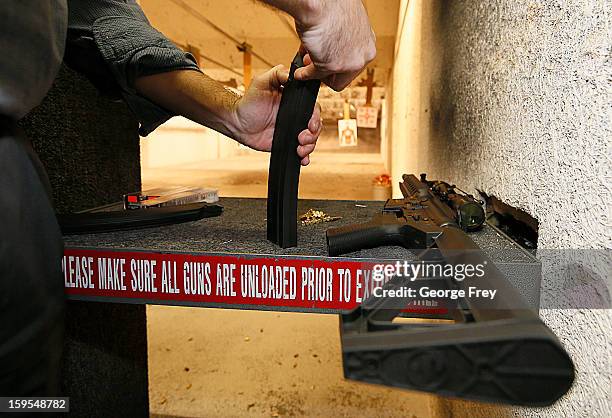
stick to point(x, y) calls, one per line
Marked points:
point(225, 262)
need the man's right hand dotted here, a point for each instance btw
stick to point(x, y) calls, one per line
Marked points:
point(336, 37)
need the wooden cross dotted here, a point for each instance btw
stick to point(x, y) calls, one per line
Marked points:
point(370, 84)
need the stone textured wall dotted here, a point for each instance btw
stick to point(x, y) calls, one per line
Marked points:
point(513, 98)
point(88, 144)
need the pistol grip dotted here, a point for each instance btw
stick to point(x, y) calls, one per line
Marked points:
point(351, 238)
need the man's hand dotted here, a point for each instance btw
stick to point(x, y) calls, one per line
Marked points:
point(249, 119)
point(336, 37)
point(255, 115)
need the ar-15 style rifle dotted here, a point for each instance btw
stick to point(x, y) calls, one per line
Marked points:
point(496, 350)
point(412, 222)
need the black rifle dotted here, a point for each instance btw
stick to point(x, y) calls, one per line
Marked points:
point(495, 350)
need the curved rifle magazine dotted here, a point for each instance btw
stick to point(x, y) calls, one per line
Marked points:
point(296, 107)
point(94, 222)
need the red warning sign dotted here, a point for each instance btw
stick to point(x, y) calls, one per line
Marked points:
point(213, 280)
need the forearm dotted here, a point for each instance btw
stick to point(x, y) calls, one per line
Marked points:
point(300, 10)
point(193, 95)
point(249, 119)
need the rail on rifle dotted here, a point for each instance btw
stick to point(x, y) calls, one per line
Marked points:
point(495, 350)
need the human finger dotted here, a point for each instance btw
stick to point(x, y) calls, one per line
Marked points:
point(309, 72)
point(314, 124)
point(305, 150)
point(272, 79)
point(306, 137)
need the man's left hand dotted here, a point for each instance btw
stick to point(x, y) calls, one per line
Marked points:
point(255, 113)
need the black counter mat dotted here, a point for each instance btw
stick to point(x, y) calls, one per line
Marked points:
point(242, 229)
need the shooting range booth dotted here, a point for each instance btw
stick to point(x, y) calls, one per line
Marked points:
point(212, 263)
point(436, 99)
point(204, 264)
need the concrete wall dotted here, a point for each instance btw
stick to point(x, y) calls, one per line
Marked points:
point(513, 98)
point(406, 91)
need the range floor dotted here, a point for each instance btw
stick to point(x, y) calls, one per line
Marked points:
point(330, 175)
point(228, 363)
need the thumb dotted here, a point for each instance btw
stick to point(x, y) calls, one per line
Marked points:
point(273, 79)
point(307, 59)
point(280, 77)
point(309, 72)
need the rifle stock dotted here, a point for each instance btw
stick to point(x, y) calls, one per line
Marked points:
point(497, 350)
